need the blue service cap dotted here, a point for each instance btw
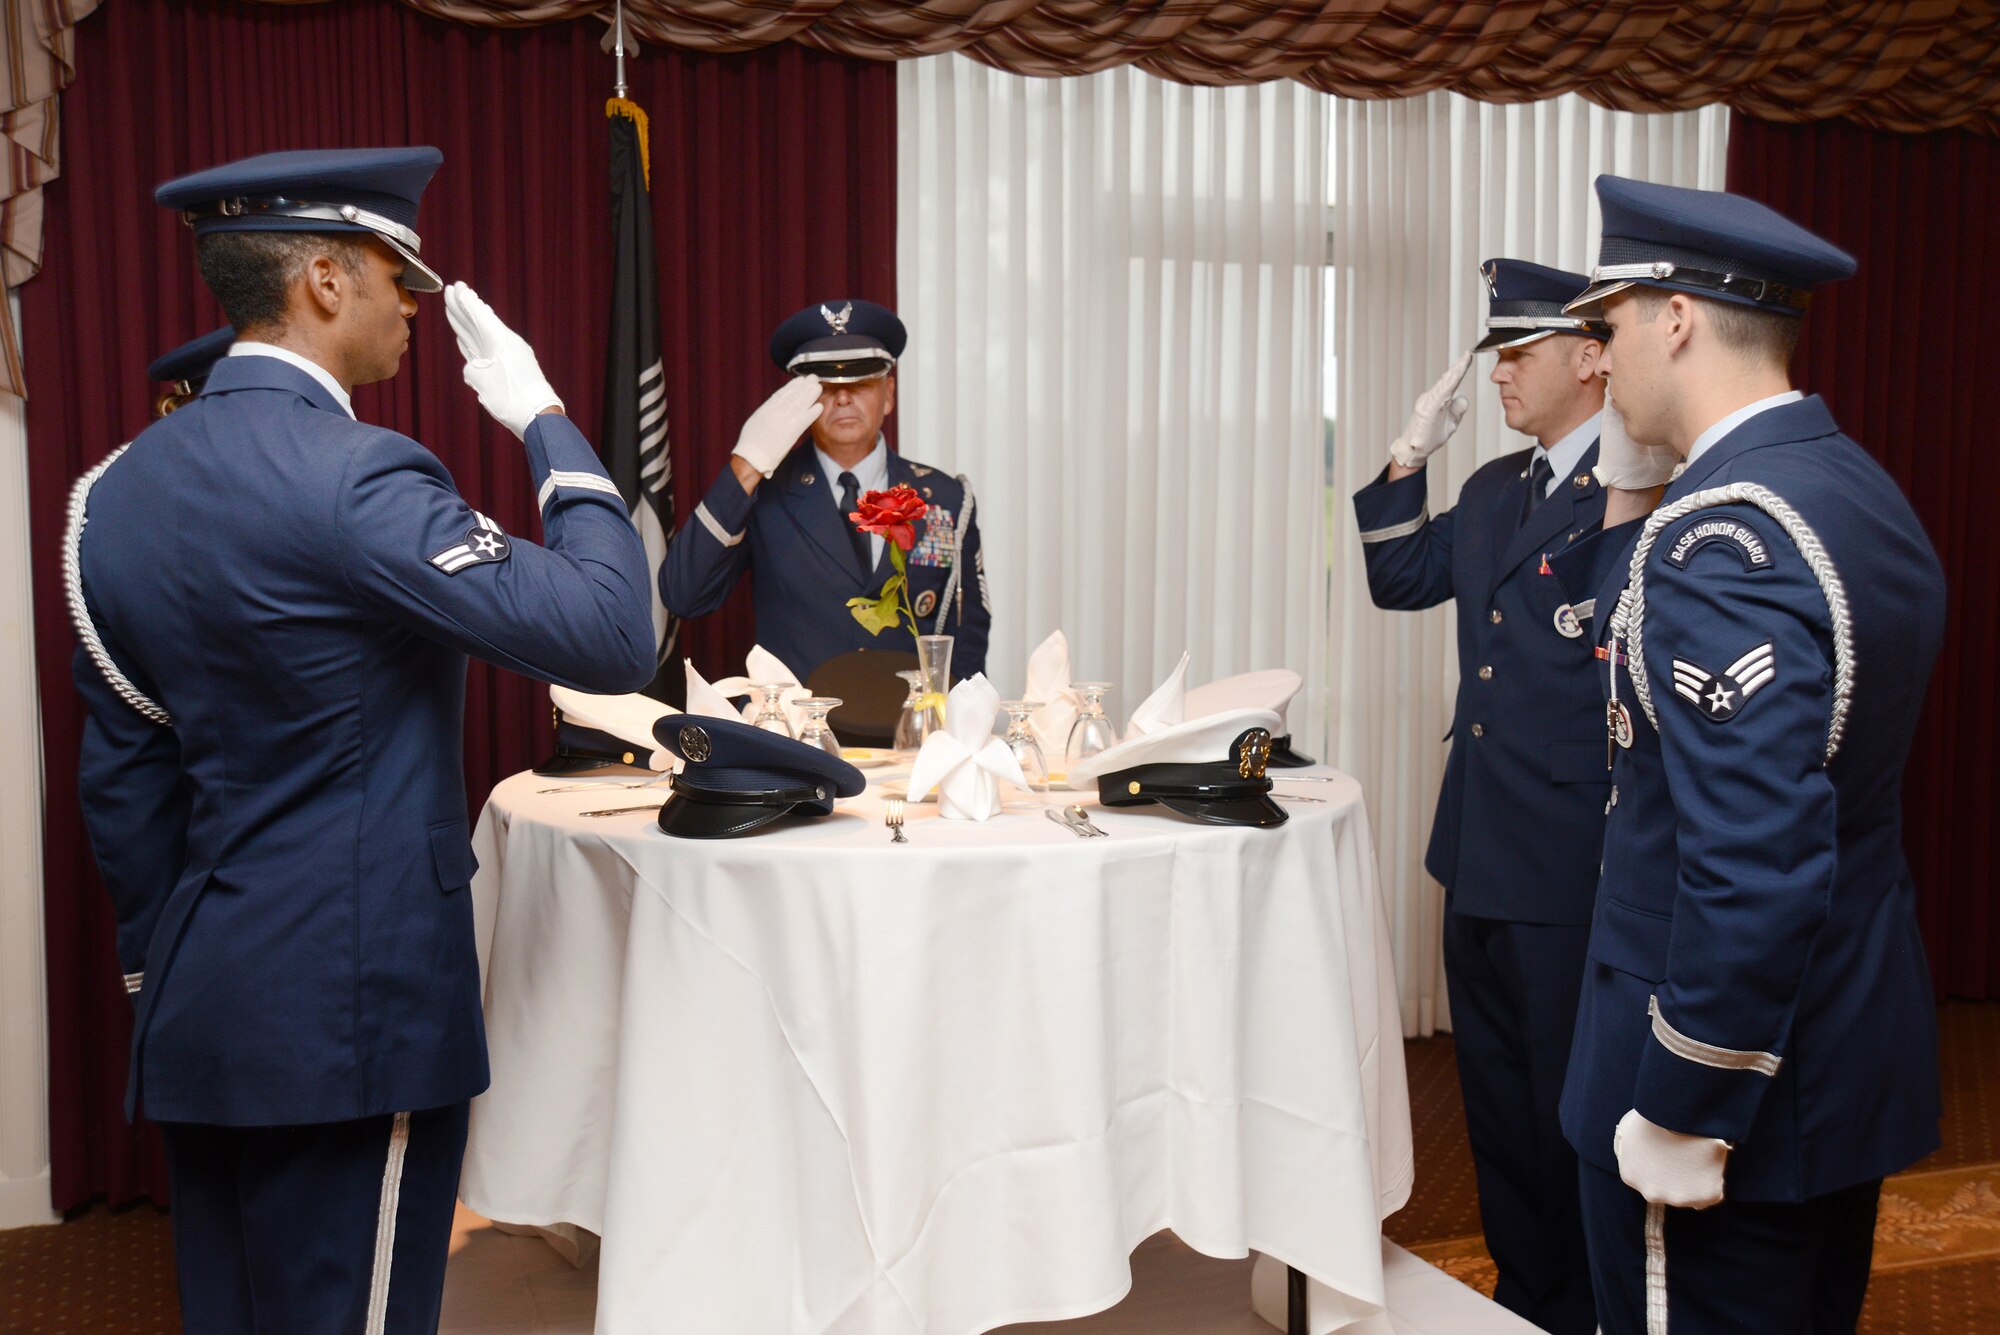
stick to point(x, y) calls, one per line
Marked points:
point(582, 750)
point(738, 778)
point(841, 341)
point(1525, 302)
point(1707, 243)
point(372, 190)
point(190, 363)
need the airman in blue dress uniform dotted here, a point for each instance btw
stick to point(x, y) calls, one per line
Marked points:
point(781, 513)
point(1520, 818)
point(275, 604)
point(1756, 1044)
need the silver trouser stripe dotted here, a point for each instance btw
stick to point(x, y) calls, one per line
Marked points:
point(1656, 1269)
point(133, 982)
point(1707, 1054)
point(1404, 530)
point(385, 1224)
point(561, 477)
point(1585, 609)
point(715, 530)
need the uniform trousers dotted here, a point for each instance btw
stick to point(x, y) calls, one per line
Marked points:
point(1767, 1267)
point(1514, 988)
point(340, 1228)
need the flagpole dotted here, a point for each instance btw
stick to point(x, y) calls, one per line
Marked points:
point(618, 23)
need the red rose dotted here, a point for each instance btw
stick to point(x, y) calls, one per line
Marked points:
point(892, 513)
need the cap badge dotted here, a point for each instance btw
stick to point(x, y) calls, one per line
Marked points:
point(1490, 272)
point(694, 743)
point(838, 322)
point(1253, 753)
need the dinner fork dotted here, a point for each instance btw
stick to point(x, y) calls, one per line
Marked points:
point(892, 816)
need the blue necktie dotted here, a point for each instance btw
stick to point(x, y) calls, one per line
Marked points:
point(850, 501)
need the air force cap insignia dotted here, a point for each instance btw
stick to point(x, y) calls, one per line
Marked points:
point(483, 544)
point(1719, 696)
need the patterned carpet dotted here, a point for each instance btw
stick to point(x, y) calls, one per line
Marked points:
point(1937, 1242)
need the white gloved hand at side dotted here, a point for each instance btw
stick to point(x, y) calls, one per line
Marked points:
point(778, 423)
point(1626, 464)
point(1437, 413)
point(1666, 1167)
point(499, 364)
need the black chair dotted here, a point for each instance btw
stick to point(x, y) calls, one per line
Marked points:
point(872, 695)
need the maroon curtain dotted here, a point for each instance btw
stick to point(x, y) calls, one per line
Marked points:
point(772, 185)
point(1900, 353)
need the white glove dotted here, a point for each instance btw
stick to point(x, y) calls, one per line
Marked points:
point(778, 423)
point(1626, 464)
point(499, 364)
point(1666, 1167)
point(1437, 414)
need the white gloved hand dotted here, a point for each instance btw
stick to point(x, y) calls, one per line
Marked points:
point(1666, 1167)
point(778, 423)
point(1626, 464)
point(499, 364)
point(1437, 413)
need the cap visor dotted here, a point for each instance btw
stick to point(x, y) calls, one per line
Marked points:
point(848, 372)
point(1589, 303)
point(1512, 338)
point(1260, 810)
point(685, 818)
point(419, 277)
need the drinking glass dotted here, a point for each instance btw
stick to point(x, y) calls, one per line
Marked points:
point(770, 707)
point(1021, 741)
point(816, 732)
point(909, 735)
point(1092, 732)
point(934, 662)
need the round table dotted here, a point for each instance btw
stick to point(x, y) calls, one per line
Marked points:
point(811, 1081)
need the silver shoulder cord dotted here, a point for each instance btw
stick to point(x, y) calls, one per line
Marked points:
point(1628, 621)
point(952, 587)
point(79, 610)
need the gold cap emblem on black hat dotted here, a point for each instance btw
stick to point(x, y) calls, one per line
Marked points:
point(1253, 753)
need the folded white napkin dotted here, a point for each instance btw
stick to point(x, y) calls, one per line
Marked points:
point(707, 701)
point(762, 668)
point(1048, 681)
point(964, 760)
point(1165, 707)
point(629, 718)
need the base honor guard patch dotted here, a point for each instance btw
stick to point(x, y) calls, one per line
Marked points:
point(1719, 695)
point(1734, 533)
point(483, 544)
point(926, 603)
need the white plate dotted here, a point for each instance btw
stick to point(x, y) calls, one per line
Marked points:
point(867, 757)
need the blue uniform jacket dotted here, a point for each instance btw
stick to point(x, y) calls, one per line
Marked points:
point(300, 592)
point(1755, 969)
point(1520, 818)
point(792, 538)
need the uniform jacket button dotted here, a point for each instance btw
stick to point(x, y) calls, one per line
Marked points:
point(1478, 730)
point(1495, 617)
point(1486, 674)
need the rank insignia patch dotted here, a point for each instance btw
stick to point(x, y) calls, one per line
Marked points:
point(483, 544)
point(1734, 533)
point(1719, 696)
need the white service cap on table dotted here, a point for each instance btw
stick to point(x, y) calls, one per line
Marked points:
point(1272, 689)
point(1195, 742)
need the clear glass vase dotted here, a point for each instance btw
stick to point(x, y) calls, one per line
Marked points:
point(934, 662)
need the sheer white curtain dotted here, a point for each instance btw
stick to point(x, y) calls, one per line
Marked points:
point(1113, 288)
point(1423, 190)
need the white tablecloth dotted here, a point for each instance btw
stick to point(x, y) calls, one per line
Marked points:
point(809, 1081)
